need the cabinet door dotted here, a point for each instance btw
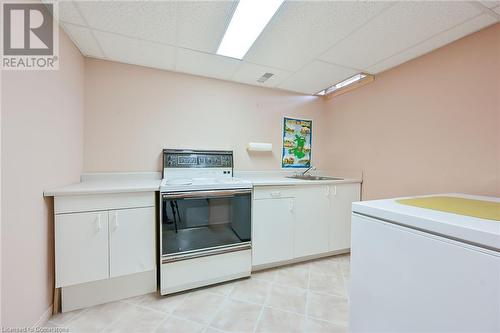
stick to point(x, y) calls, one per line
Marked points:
point(131, 241)
point(81, 248)
point(312, 221)
point(272, 230)
point(342, 196)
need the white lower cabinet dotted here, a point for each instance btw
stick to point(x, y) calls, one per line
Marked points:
point(131, 235)
point(297, 221)
point(312, 222)
point(272, 237)
point(341, 198)
point(81, 247)
point(105, 243)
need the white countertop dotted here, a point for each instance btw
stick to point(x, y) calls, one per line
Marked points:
point(99, 183)
point(110, 183)
point(283, 181)
point(279, 178)
point(470, 229)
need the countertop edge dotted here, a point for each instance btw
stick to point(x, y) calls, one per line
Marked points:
point(62, 192)
point(291, 182)
point(153, 185)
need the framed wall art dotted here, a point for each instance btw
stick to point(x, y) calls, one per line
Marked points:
point(297, 135)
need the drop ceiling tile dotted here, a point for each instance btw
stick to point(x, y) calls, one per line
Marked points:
point(398, 28)
point(149, 20)
point(491, 4)
point(83, 39)
point(440, 40)
point(69, 13)
point(316, 76)
point(201, 24)
point(302, 30)
point(135, 51)
point(250, 73)
point(205, 64)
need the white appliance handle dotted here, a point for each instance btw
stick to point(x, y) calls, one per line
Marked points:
point(98, 223)
point(114, 220)
point(275, 194)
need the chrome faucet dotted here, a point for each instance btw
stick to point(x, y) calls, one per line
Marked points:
point(307, 170)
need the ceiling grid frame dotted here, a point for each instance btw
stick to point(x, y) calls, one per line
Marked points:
point(241, 72)
point(424, 41)
point(75, 3)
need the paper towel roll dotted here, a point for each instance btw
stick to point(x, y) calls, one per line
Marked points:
point(259, 146)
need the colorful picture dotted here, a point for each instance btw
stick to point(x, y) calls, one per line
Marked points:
point(297, 134)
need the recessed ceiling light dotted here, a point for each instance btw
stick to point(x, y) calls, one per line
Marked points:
point(342, 84)
point(248, 21)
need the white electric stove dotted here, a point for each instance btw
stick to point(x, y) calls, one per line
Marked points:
point(205, 220)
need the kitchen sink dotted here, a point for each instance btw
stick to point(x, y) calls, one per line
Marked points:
point(310, 177)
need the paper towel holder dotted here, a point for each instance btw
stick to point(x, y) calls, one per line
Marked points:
point(259, 146)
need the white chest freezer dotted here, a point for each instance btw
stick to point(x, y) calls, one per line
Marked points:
point(416, 269)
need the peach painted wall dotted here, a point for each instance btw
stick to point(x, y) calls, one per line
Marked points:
point(42, 147)
point(132, 113)
point(429, 125)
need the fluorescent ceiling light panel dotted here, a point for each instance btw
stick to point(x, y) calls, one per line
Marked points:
point(342, 84)
point(248, 21)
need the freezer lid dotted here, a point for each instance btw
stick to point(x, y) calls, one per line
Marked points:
point(483, 209)
point(479, 231)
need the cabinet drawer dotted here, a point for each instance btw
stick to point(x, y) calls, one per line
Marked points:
point(95, 202)
point(274, 192)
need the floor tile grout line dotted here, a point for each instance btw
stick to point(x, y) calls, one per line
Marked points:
point(187, 319)
point(346, 289)
point(264, 305)
point(307, 298)
point(342, 271)
point(188, 295)
point(72, 319)
point(300, 314)
point(325, 321)
point(139, 304)
point(161, 322)
point(214, 328)
point(226, 299)
point(112, 322)
point(340, 323)
point(269, 288)
point(144, 307)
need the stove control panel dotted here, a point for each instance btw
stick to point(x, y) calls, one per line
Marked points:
point(173, 158)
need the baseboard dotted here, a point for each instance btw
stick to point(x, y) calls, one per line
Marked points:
point(42, 321)
point(257, 268)
point(108, 290)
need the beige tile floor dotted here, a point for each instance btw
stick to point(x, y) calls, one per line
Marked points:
point(305, 297)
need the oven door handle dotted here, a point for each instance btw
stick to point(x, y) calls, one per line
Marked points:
point(206, 252)
point(205, 194)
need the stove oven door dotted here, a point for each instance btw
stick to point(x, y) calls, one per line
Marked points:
point(205, 238)
point(200, 221)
